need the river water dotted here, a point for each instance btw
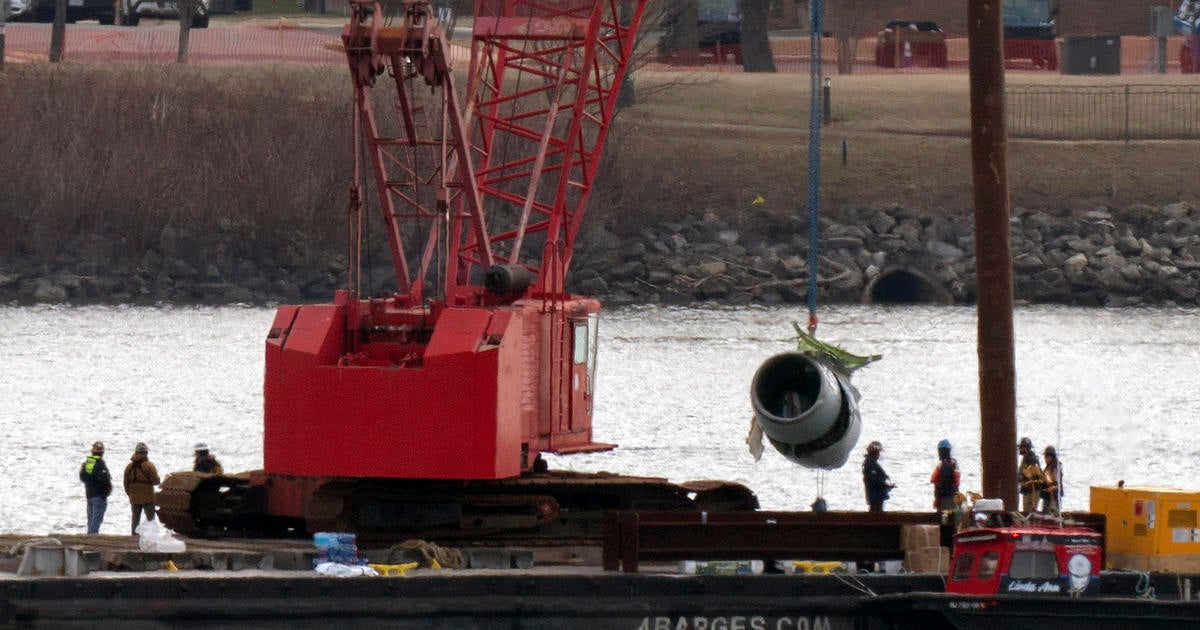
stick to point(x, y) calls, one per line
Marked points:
point(1116, 391)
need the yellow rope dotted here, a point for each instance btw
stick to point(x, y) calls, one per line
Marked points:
point(430, 553)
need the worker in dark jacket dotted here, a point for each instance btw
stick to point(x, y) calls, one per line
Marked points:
point(205, 462)
point(875, 480)
point(945, 479)
point(97, 485)
point(140, 478)
point(1029, 475)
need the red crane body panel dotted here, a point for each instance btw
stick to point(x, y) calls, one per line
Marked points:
point(468, 405)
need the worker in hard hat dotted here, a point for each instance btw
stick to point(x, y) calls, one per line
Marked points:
point(205, 462)
point(945, 479)
point(97, 485)
point(140, 478)
point(875, 480)
point(1051, 482)
point(1029, 475)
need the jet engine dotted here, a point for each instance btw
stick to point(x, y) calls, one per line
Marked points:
point(808, 410)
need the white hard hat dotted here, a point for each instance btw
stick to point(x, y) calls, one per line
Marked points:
point(201, 446)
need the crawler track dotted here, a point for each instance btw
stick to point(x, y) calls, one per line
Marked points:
point(551, 508)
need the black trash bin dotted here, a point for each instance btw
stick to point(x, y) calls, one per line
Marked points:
point(1092, 54)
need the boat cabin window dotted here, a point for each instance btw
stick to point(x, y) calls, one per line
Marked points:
point(581, 343)
point(962, 566)
point(1033, 565)
point(987, 565)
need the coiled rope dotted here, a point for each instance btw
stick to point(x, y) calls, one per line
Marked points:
point(446, 557)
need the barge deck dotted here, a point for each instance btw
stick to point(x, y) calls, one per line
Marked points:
point(246, 590)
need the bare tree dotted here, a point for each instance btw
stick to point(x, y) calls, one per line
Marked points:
point(626, 96)
point(848, 19)
point(680, 21)
point(756, 49)
point(58, 33)
point(657, 22)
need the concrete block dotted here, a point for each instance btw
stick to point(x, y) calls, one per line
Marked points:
point(488, 558)
point(522, 558)
point(75, 562)
point(9, 564)
point(292, 559)
point(135, 560)
point(94, 560)
point(42, 561)
point(243, 560)
point(573, 555)
point(211, 560)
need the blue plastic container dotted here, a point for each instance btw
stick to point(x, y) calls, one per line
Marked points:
point(337, 547)
point(325, 540)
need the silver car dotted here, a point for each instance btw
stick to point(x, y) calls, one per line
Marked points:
point(19, 9)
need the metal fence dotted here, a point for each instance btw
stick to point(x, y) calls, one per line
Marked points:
point(866, 56)
point(252, 43)
point(285, 42)
point(1116, 112)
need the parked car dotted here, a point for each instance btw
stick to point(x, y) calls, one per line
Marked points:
point(20, 10)
point(132, 11)
point(99, 10)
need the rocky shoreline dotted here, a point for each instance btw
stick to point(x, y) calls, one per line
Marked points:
point(1137, 255)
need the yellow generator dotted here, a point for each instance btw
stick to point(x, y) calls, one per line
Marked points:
point(1149, 528)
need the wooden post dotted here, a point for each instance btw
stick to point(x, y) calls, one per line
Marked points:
point(629, 542)
point(993, 256)
point(611, 547)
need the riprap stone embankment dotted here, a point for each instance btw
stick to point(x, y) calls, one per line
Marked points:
point(1136, 255)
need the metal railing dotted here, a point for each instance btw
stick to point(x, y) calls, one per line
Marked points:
point(1116, 112)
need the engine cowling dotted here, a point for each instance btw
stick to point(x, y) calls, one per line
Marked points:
point(807, 410)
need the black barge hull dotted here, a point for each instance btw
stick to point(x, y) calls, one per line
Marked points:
point(510, 600)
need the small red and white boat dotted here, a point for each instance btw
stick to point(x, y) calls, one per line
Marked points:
point(1045, 557)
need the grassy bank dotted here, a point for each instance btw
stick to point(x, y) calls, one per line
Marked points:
point(242, 154)
point(257, 160)
point(720, 141)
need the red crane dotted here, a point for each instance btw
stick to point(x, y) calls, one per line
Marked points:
point(427, 409)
